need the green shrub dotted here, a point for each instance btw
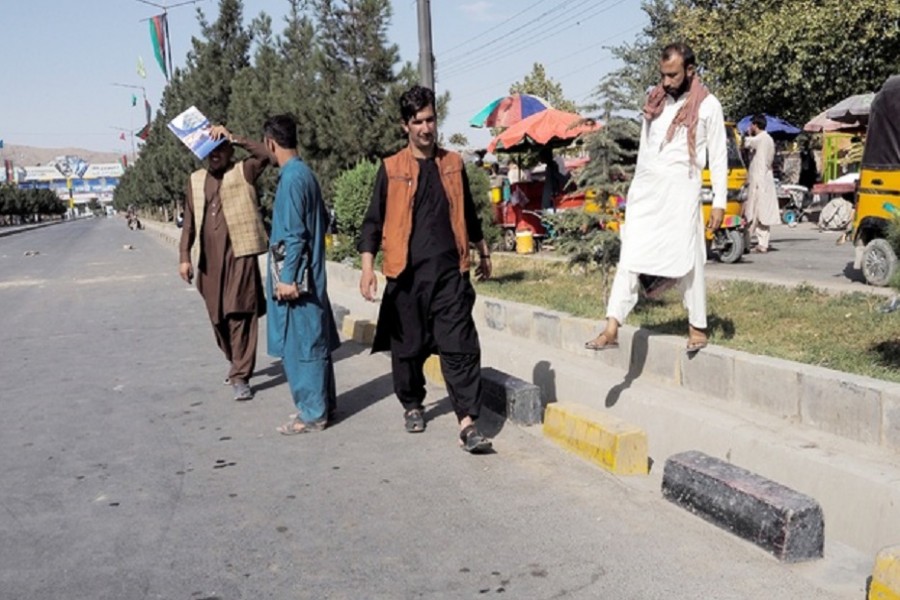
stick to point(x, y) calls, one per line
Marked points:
point(352, 193)
point(480, 186)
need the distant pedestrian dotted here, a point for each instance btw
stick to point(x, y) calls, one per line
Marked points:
point(761, 207)
point(663, 234)
point(222, 213)
point(300, 326)
point(809, 172)
point(423, 217)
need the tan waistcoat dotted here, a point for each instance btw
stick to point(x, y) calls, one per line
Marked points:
point(403, 178)
point(239, 207)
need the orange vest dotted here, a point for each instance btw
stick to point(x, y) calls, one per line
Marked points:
point(402, 171)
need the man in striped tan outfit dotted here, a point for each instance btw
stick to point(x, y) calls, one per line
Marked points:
point(221, 210)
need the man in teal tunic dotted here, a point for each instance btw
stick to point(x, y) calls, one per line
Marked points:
point(300, 326)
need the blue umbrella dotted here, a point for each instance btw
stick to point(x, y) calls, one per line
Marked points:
point(775, 126)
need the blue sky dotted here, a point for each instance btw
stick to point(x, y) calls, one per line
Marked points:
point(61, 57)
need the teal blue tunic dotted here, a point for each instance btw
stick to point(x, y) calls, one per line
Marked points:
point(302, 332)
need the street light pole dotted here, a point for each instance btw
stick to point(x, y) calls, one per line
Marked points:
point(426, 56)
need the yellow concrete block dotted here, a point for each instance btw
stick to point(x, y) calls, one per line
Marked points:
point(358, 330)
point(599, 437)
point(886, 575)
point(433, 371)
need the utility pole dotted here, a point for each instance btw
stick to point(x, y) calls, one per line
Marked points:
point(426, 57)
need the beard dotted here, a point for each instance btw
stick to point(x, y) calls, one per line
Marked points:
point(681, 89)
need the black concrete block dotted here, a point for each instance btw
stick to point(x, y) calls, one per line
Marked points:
point(514, 398)
point(774, 517)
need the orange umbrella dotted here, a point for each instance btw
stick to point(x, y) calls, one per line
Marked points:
point(551, 127)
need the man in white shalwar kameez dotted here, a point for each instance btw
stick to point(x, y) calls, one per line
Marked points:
point(663, 234)
point(761, 207)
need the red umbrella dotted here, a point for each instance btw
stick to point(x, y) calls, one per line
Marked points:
point(551, 127)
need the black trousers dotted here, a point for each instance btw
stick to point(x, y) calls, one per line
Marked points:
point(433, 315)
point(462, 372)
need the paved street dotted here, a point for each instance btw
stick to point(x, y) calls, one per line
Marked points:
point(802, 253)
point(130, 473)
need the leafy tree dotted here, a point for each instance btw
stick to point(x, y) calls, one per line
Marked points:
point(537, 83)
point(459, 139)
point(792, 58)
point(357, 88)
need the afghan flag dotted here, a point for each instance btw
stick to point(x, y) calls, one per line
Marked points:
point(158, 28)
point(144, 133)
point(148, 110)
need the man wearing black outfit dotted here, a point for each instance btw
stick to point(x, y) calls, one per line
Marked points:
point(423, 217)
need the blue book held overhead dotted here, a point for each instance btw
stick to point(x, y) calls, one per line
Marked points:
point(192, 128)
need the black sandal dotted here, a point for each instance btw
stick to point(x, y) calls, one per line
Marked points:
point(473, 442)
point(414, 420)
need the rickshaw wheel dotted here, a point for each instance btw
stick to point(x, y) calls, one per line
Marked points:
point(879, 262)
point(509, 240)
point(790, 217)
point(733, 249)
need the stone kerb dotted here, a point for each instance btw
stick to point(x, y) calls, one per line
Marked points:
point(858, 408)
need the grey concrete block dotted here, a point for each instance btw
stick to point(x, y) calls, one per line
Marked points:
point(516, 399)
point(575, 332)
point(780, 520)
point(890, 416)
point(710, 372)
point(547, 328)
point(495, 314)
point(841, 404)
point(519, 319)
point(660, 355)
point(769, 384)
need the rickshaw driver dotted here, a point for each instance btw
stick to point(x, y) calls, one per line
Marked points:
point(663, 230)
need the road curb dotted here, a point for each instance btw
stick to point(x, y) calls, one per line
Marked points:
point(781, 521)
point(885, 584)
point(598, 437)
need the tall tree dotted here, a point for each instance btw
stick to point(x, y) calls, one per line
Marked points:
point(356, 81)
point(537, 83)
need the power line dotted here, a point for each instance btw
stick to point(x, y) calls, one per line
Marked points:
point(493, 29)
point(517, 29)
point(555, 29)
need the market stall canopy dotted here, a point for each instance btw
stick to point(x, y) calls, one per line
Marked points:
point(854, 108)
point(508, 110)
point(549, 128)
point(821, 123)
point(777, 127)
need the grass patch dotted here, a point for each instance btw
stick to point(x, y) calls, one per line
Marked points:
point(844, 332)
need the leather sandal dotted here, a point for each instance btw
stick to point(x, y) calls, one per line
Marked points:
point(414, 420)
point(473, 442)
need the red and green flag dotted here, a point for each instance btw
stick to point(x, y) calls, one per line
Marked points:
point(144, 133)
point(158, 28)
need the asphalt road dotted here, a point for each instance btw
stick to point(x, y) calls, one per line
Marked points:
point(129, 472)
point(801, 254)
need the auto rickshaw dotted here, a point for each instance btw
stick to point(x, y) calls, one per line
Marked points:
point(878, 194)
point(731, 240)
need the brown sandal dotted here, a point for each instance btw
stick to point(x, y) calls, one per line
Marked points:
point(697, 340)
point(602, 342)
point(295, 427)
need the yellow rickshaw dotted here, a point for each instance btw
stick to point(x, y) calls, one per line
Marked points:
point(732, 239)
point(878, 195)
